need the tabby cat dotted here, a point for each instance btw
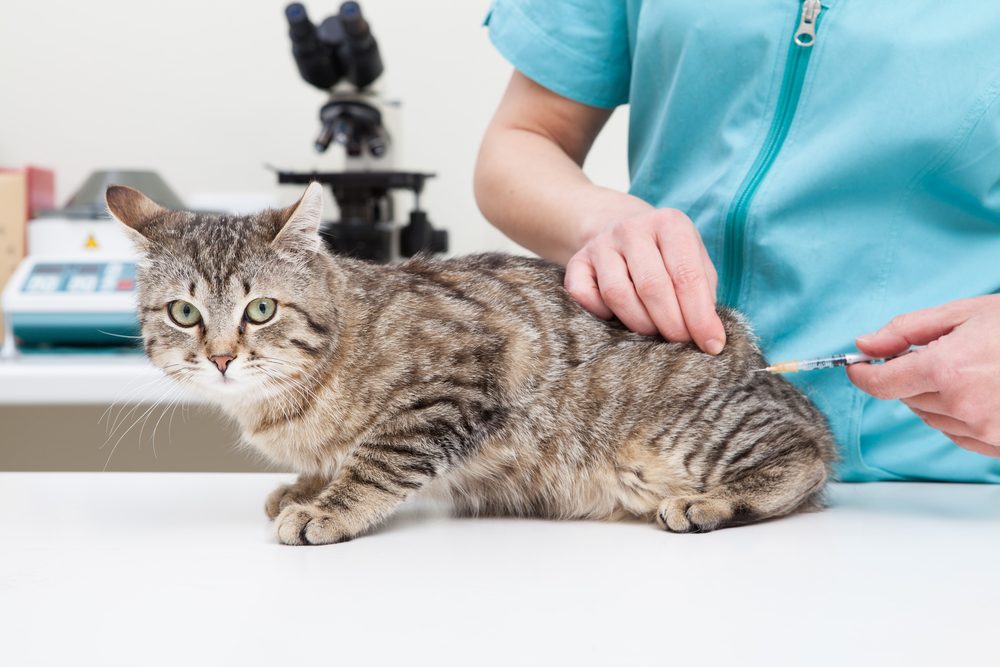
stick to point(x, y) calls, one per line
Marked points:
point(477, 379)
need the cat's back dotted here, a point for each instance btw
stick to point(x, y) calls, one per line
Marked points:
point(527, 294)
point(494, 278)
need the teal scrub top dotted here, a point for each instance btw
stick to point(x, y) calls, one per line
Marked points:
point(835, 185)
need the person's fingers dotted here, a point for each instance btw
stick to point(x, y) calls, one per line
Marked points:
point(581, 283)
point(906, 376)
point(974, 445)
point(653, 285)
point(928, 402)
point(713, 275)
point(944, 423)
point(916, 328)
point(681, 253)
point(618, 292)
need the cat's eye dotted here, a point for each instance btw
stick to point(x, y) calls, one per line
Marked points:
point(183, 313)
point(261, 310)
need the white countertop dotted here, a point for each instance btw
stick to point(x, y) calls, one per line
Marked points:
point(63, 379)
point(182, 569)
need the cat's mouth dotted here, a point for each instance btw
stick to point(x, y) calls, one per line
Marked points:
point(226, 380)
point(215, 381)
point(224, 386)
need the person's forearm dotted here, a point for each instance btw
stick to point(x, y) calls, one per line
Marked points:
point(530, 189)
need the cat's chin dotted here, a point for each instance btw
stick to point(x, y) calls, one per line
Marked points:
point(226, 390)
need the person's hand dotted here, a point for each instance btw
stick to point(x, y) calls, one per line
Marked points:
point(953, 384)
point(653, 273)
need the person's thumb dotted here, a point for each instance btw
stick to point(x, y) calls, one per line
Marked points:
point(917, 328)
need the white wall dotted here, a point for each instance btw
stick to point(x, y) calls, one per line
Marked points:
point(206, 92)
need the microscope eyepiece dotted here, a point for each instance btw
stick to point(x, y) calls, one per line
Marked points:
point(364, 59)
point(313, 58)
point(296, 15)
point(342, 46)
point(354, 23)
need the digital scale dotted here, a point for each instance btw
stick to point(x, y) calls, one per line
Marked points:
point(54, 303)
point(75, 291)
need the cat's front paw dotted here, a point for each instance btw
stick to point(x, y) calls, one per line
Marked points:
point(306, 524)
point(301, 492)
point(279, 499)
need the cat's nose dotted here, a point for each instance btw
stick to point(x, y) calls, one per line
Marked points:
point(222, 361)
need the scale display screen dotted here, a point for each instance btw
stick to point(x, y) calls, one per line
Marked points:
point(78, 278)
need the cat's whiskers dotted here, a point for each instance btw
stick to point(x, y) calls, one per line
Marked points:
point(182, 378)
point(170, 422)
point(108, 333)
point(286, 385)
point(173, 389)
point(275, 360)
point(169, 370)
point(123, 396)
point(291, 381)
point(280, 396)
point(182, 383)
point(279, 381)
point(265, 365)
point(119, 420)
point(124, 402)
point(296, 385)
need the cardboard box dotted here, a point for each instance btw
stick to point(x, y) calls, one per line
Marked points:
point(13, 223)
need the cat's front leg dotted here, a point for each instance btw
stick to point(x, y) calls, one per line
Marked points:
point(372, 483)
point(302, 491)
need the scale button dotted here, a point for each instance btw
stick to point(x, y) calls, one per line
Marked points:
point(110, 277)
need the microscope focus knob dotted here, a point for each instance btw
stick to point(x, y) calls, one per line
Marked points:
point(419, 236)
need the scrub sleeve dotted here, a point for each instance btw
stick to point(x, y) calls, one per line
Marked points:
point(576, 49)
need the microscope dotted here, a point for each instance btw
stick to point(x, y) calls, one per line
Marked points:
point(341, 56)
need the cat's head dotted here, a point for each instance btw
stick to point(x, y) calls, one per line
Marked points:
point(235, 306)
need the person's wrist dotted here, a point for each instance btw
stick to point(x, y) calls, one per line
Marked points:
point(601, 207)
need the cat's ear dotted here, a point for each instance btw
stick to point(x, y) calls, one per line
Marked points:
point(134, 210)
point(300, 230)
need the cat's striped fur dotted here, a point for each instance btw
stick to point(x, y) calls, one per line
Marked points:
point(477, 378)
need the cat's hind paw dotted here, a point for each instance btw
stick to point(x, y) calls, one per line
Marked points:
point(306, 524)
point(696, 514)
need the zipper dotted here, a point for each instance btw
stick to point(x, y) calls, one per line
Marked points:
point(805, 35)
point(788, 99)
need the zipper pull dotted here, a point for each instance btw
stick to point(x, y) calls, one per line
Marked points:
point(806, 33)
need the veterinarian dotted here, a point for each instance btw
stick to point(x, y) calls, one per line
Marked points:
point(829, 169)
